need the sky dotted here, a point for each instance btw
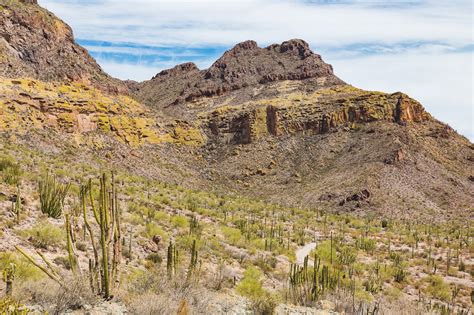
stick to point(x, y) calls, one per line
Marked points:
point(424, 48)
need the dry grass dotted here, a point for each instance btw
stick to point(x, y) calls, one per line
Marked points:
point(55, 299)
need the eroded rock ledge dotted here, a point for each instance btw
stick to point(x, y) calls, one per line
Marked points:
point(320, 113)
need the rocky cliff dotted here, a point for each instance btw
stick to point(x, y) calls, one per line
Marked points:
point(273, 123)
point(36, 44)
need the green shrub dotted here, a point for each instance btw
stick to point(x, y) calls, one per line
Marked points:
point(179, 221)
point(155, 258)
point(44, 234)
point(437, 288)
point(232, 236)
point(10, 171)
point(152, 229)
point(12, 307)
point(251, 287)
point(323, 250)
point(24, 269)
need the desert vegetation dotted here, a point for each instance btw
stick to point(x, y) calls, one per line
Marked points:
point(112, 235)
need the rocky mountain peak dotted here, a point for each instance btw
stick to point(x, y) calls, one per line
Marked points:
point(34, 43)
point(246, 45)
point(177, 70)
point(298, 46)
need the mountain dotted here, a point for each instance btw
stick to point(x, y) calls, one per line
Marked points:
point(36, 44)
point(265, 183)
point(320, 142)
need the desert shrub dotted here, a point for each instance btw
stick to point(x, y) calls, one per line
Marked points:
point(63, 261)
point(437, 288)
point(12, 307)
point(346, 256)
point(24, 270)
point(179, 221)
point(52, 195)
point(192, 203)
point(233, 236)
point(154, 258)
point(152, 229)
point(10, 171)
point(366, 244)
point(267, 264)
point(82, 246)
point(251, 287)
point(44, 234)
point(323, 251)
point(57, 300)
point(399, 273)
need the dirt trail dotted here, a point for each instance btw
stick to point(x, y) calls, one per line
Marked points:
point(304, 251)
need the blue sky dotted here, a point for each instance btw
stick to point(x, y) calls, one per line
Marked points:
point(424, 48)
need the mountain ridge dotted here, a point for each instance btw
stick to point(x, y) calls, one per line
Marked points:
point(282, 97)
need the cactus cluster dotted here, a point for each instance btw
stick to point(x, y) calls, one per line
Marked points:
point(103, 273)
point(308, 284)
point(52, 194)
point(106, 247)
point(172, 260)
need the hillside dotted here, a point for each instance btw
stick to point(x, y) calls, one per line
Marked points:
point(217, 183)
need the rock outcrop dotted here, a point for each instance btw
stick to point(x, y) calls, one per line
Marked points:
point(323, 111)
point(244, 66)
point(36, 44)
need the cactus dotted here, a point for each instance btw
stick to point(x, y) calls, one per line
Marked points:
point(52, 195)
point(8, 277)
point(194, 259)
point(70, 247)
point(104, 229)
point(172, 260)
point(107, 217)
point(16, 205)
point(331, 247)
point(194, 226)
point(52, 274)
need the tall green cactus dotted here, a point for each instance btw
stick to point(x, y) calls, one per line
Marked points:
point(103, 224)
point(70, 247)
point(194, 259)
point(16, 207)
point(172, 260)
point(8, 277)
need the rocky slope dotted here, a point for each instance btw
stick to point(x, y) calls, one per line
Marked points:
point(243, 68)
point(36, 44)
point(271, 122)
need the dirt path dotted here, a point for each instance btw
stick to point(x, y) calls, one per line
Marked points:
point(304, 251)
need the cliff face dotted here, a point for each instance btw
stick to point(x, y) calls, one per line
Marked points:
point(36, 44)
point(317, 113)
point(274, 123)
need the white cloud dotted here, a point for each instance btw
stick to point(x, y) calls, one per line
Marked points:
point(431, 72)
point(204, 22)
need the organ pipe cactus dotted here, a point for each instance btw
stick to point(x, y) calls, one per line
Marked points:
point(8, 277)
